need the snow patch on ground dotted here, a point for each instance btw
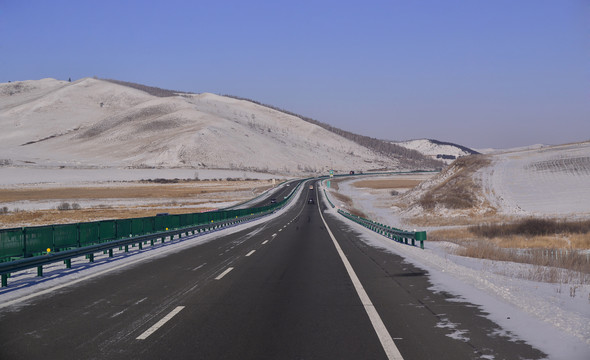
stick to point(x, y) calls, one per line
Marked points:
point(434, 150)
point(457, 334)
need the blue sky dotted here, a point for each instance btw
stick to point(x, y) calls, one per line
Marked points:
point(479, 73)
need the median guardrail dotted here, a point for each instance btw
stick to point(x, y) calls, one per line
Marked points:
point(29, 247)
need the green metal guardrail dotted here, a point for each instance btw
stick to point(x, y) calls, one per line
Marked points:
point(328, 198)
point(387, 231)
point(398, 235)
point(27, 247)
point(6, 268)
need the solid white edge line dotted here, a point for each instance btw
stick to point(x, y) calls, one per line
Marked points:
point(251, 252)
point(387, 342)
point(160, 323)
point(224, 273)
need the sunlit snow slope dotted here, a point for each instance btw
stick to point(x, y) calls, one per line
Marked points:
point(97, 123)
point(548, 181)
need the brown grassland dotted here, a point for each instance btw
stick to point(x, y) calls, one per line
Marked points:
point(459, 190)
point(387, 183)
point(192, 194)
point(135, 190)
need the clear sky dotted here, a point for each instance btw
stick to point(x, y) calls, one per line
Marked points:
point(480, 73)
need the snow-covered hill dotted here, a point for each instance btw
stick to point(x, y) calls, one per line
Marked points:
point(549, 181)
point(553, 180)
point(447, 152)
point(98, 123)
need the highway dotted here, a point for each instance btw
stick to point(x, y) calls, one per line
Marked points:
point(302, 285)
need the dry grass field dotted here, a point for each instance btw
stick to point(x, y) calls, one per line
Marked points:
point(129, 191)
point(458, 191)
point(386, 183)
point(121, 200)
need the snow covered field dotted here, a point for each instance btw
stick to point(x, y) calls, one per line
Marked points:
point(552, 317)
point(14, 176)
point(550, 181)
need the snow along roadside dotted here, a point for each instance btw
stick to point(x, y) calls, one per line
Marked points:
point(535, 312)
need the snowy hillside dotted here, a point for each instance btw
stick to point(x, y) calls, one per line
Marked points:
point(447, 152)
point(98, 123)
point(553, 180)
point(549, 181)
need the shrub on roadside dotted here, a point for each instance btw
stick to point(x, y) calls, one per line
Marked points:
point(64, 206)
point(532, 227)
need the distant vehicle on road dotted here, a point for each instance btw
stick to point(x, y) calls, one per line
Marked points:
point(273, 201)
point(310, 187)
point(310, 201)
point(351, 172)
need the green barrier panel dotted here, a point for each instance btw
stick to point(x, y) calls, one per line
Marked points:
point(65, 236)
point(160, 223)
point(38, 239)
point(123, 228)
point(107, 230)
point(173, 221)
point(11, 243)
point(88, 233)
point(137, 226)
point(149, 225)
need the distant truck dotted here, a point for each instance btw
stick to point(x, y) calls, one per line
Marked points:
point(310, 187)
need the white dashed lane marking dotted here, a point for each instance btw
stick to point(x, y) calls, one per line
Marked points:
point(160, 323)
point(224, 273)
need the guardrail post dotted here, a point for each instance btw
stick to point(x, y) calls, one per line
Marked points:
point(40, 270)
point(126, 248)
point(420, 236)
point(91, 257)
point(4, 280)
point(110, 252)
point(140, 246)
point(152, 242)
point(68, 263)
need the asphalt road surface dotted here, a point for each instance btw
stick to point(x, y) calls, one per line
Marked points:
point(295, 287)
